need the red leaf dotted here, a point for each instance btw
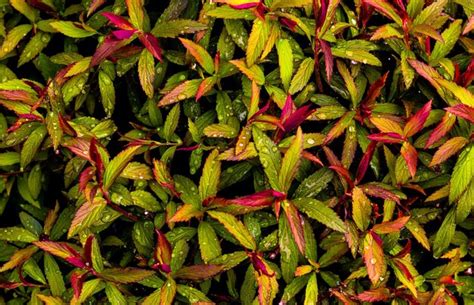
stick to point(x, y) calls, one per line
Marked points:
point(447, 122)
point(368, 102)
point(375, 190)
point(365, 161)
point(9, 285)
point(109, 46)
point(310, 157)
point(85, 177)
point(244, 6)
point(118, 21)
point(378, 294)
point(77, 281)
point(288, 23)
point(64, 124)
point(259, 199)
point(62, 250)
point(296, 226)
point(163, 252)
point(123, 34)
point(198, 272)
point(259, 264)
point(464, 111)
point(468, 75)
point(404, 269)
point(291, 118)
point(96, 157)
point(151, 43)
point(391, 226)
point(328, 58)
point(386, 137)
point(416, 122)
point(344, 173)
point(410, 155)
point(80, 147)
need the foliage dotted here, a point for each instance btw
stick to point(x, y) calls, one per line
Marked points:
point(236, 152)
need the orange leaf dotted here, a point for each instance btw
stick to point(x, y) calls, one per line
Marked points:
point(373, 257)
point(448, 149)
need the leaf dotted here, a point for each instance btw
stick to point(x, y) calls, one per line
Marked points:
point(72, 29)
point(181, 92)
point(445, 234)
point(208, 184)
point(361, 209)
point(296, 224)
point(410, 155)
point(464, 111)
point(319, 211)
point(267, 288)
point(114, 296)
point(171, 122)
point(54, 276)
point(391, 226)
point(339, 127)
point(448, 149)
point(136, 12)
point(220, 130)
point(311, 294)
point(62, 250)
point(358, 55)
point(125, 275)
point(288, 249)
point(48, 300)
point(174, 28)
point(442, 129)
point(450, 37)
point(286, 4)
point(377, 294)
point(236, 228)
point(198, 272)
point(285, 61)
point(9, 158)
point(386, 9)
point(257, 39)
point(302, 76)
point(146, 72)
point(254, 72)
point(17, 234)
point(107, 92)
point(269, 156)
point(463, 173)
point(200, 54)
point(290, 162)
point(87, 214)
point(13, 38)
point(374, 258)
point(418, 232)
point(117, 164)
point(208, 242)
point(23, 7)
point(31, 145)
point(34, 47)
point(402, 272)
point(18, 258)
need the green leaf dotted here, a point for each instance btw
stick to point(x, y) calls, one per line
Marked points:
point(463, 173)
point(17, 234)
point(445, 233)
point(145, 200)
point(313, 184)
point(34, 47)
point(236, 228)
point(450, 37)
point(72, 29)
point(228, 12)
point(302, 76)
point(53, 275)
point(200, 54)
point(220, 130)
point(430, 13)
point(96, 256)
point(54, 129)
point(356, 55)
point(465, 204)
point(23, 7)
point(13, 38)
point(319, 211)
point(146, 72)
point(114, 296)
point(288, 250)
point(171, 122)
point(257, 39)
point(208, 242)
point(31, 145)
point(290, 163)
point(107, 93)
point(9, 158)
point(210, 176)
point(174, 28)
point(269, 156)
point(116, 166)
point(361, 209)
point(311, 294)
point(292, 3)
point(285, 61)
point(136, 13)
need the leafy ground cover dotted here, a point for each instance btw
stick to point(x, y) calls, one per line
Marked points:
point(236, 152)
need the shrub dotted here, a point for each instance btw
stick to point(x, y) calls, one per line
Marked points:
point(236, 152)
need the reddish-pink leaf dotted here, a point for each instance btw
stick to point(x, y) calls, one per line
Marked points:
point(378, 191)
point(365, 161)
point(9, 285)
point(368, 102)
point(410, 155)
point(386, 137)
point(123, 34)
point(259, 264)
point(391, 226)
point(109, 46)
point(77, 281)
point(447, 122)
point(80, 147)
point(198, 272)
point(344, 173)
point(62, 250)
point(291, 118)
point(448, 149)
point(85, 177)
point(163, 252)
point(416, 122)
point(151, 43)
point(291, 24)
point(328, 58)
point(118, 21)
point(464, 111)
point(262, 198)
point(296, 226)
point(377, 294)
point(468, 75)
point(206, 85)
